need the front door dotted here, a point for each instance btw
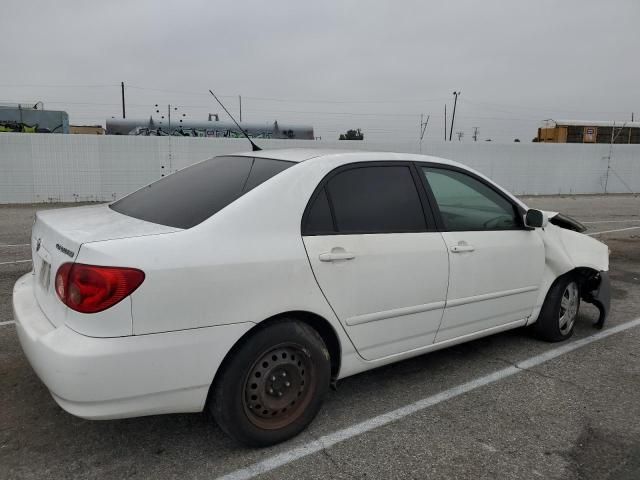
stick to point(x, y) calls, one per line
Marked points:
point(377, 258)
point(496, 265)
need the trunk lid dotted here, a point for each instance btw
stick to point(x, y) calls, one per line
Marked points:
point(58, 235)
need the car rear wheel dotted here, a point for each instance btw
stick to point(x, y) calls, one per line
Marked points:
point(273, 385)
point(560, 310)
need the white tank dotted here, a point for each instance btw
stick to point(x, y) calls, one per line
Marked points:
point(190, 128)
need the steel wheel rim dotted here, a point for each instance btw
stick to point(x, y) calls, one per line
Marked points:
point(279, 386)
point(568, 308)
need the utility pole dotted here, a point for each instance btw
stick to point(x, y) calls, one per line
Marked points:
point(445, 122)
point(613, 140)
point(475, 134)
point(460, 135)
point(632, 116)
point(453, 115)
point(423, 128)
point(240, 100)
point(124, 115)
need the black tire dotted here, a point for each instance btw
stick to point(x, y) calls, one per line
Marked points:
point(273, 385)
point(560, 310)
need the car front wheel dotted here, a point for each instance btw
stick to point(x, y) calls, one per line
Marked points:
point(273, 385)
point(560, 310)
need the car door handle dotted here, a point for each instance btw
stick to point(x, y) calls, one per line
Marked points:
point(336, 256)
point(461, 247)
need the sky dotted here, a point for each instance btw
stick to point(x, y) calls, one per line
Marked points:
point(335, 65)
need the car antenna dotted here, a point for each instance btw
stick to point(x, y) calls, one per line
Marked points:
point(254, 147)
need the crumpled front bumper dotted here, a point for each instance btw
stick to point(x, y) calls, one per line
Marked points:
point(600, 296)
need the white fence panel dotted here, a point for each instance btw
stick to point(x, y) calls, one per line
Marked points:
point(71, 168)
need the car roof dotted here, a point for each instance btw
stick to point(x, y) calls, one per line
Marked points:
point(302, 154)
point(292, 154)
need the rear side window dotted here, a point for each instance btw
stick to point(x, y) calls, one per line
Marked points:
point(319, 220)
point(190, 196)
point(377, 199)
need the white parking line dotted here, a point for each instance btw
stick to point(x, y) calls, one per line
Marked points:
point(15, 245)
point(611, 231)
point(611, 221)
point(331, 439)
point(16, 261)
point(8, 322)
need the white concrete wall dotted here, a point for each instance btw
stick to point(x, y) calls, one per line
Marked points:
point(68, 168)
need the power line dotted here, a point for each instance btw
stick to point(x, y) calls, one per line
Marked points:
point(506, 108)
point(57, 86)
point(491, 106)
point(204, 94)
point(298, 100)
point(308, 112)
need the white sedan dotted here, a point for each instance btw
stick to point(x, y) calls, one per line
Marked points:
point(247, 284)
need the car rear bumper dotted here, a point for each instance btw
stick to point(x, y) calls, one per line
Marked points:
point(101, 378)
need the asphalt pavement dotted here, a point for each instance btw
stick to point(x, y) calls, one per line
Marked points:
point(506, 406)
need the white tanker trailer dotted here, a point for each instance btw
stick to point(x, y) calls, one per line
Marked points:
point(188, 128)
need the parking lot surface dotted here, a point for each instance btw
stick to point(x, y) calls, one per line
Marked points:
point(506, 406)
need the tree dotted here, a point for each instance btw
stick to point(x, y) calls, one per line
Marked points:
point(352, 135)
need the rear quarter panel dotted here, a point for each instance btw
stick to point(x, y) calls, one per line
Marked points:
point(245, 264)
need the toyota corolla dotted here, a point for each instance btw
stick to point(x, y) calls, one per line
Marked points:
point(246, 285)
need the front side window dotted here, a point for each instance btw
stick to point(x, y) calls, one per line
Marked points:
point(467, 204)
point(190, 196)
point(376, 199)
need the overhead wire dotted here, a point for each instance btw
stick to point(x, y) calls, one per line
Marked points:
point(513, 113)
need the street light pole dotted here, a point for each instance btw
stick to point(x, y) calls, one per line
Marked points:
point(453, 115)
point(445, 122)
point(124, 115)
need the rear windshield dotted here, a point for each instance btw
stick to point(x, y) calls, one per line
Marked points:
point(190, 196)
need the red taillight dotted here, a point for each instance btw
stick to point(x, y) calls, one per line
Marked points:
point(92, 288)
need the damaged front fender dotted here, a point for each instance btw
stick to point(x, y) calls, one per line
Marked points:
point(567, 250)
point(565, 221)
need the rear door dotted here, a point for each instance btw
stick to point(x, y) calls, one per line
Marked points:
point(496, 265)
point(373, 247)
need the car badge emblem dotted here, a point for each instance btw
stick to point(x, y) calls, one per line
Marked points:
point(64, 250)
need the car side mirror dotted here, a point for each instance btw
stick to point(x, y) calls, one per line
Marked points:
point(535, 218)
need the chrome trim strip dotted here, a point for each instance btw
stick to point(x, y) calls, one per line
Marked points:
point(489, 296)
point(396, 312)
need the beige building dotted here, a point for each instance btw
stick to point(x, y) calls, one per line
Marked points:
point(587, 131)
point(87, 129)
